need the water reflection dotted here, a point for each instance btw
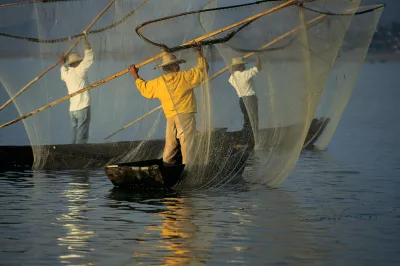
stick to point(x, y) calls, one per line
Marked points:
point(224, 227)
point(172, 233)
point(78, 233)
point(316, 217)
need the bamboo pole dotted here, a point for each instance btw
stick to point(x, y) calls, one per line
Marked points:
point(123, 72)
point(133, 122)
point(58, 61)
point(223, 70)
point(16, 3)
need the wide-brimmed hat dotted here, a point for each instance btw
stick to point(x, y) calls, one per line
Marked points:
point(238, 61)
point(73, 58)
point(170, 59)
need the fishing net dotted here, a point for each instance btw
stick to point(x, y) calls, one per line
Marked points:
point(296, 44)
point(32, 38)
point(296, 55)
point(344, 74)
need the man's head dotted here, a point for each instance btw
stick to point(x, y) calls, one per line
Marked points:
point(238, 64)
point(170, 63)
point(73, 60)
point(171, 68)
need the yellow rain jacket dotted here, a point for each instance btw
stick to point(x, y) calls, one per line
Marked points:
point(174, 90)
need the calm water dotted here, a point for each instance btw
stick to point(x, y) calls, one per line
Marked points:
point(338, 207)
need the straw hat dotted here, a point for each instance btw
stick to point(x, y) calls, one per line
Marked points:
point(170, 59)
point(237, 61)
point(72, 59)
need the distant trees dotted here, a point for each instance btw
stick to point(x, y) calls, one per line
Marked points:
point(386, 39)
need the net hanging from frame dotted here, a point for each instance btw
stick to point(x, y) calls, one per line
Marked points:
point(295, 45)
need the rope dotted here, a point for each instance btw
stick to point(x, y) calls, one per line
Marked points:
point(310, 23)
point(123, 72)
point(58, 61)
point(64, 39)
point(115, 24)
point(229, 36)
point(33, 2)
point(247, 50)
point(375, 7)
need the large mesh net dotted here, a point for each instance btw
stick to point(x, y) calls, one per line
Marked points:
point(344, 74)
point(263, 111)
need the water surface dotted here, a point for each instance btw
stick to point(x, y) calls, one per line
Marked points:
point(338, 207)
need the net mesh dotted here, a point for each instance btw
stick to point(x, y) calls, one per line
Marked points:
point(296, 47)
point(344, 74)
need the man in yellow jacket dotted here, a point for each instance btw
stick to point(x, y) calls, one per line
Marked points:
point(174, 89)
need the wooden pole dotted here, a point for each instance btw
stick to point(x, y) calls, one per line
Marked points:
point(16, 3)
point(223, 70)
point(133, 122)
point(94, 85)
point(58, 61)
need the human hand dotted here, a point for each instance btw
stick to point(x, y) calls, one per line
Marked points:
point(198, 47)
point(86, 42)
point(134, 71)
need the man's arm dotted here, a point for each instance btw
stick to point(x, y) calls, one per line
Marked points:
point(195, 76)
point(63, 68)
point(134, 72)
point(87, 61)
point(201, 58)
point(258, 63)
point(146, 88)
point(250, 73)
point(86, 44)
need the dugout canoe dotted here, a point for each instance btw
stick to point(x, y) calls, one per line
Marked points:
point(155, 175)
point(97, 155)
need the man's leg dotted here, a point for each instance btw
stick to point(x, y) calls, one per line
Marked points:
point(74, 123)
point(252, 107)
point(186, 128)
point(246, 119)
point(171, 143)
point(82, 134)
point(251, 103)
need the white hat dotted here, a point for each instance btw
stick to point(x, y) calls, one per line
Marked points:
point(170, 59)
point(72, 59)
point(237, 61)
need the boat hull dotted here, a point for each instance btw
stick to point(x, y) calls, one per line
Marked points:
point(149, 174)
point(154, 174)
point(96, 156)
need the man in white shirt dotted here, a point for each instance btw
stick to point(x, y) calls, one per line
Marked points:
point(74, 74)
point(240, 79)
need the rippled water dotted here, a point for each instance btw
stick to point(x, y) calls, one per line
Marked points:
point(324, 214)
point(339, 207)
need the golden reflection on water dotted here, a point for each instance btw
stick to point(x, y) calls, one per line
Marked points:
point(176, 235)
point(78, 235)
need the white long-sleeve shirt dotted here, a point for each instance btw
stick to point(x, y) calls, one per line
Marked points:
point(75, 79)
point(240, 80)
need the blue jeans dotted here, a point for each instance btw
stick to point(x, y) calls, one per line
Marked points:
point(80, 120)
point(249, 107)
